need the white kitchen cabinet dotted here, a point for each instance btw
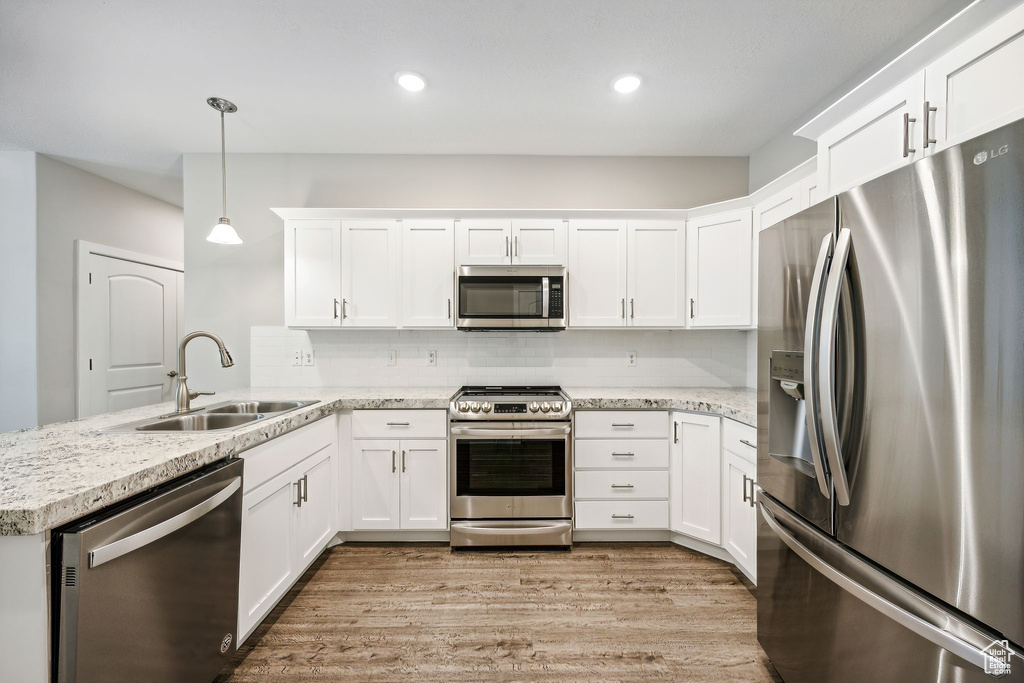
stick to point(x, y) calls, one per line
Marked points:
point(808, 191)
point(538, 242)
point(375, 484)
point(739, 472)
point(695, 471)
point(597, 273)
point(882, 136)
point(316, 514)
point(424, 484)
point(719, 264)
point(312, 273)
point(656, 273)
point(976, 86)
point(483, 241)
point(369, 270)
point(428, 273)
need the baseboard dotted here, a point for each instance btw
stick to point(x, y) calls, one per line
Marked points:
point(714, 551)
point(619, 535)
point(399, 536)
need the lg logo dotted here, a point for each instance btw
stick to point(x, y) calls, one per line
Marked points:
point(982, 157)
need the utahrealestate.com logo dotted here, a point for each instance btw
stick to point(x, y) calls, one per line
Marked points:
point(997, 658)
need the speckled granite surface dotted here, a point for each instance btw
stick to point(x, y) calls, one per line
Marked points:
point(738, 404)
point(53, 474)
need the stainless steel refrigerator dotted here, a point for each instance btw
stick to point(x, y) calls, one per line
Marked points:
point(890, 396)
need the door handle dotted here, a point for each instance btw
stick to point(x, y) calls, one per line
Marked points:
point(623, 455)
point(449, 308)
point(614, 516)
point(397, 424)
point(335, 309)
point(747, 443)
point(394, 468)
point(305, 488)
point(506, 246)
point(675, 432)
point(632, 310)
point(623, 424)
point(622, 486)
point(907, 149)
point(928, 111)
point(826, 373)
point(172, 374)
point(344, 308)
point(812, 330)
point(298, 493)
point(112, 551)
point(403, 460)
point(691, 308)
point(746, 498)
point(515, 241)
point(623, 309)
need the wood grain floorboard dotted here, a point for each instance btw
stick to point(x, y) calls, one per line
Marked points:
point(603, 612)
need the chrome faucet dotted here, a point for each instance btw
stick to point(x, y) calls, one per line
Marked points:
point(185, 395)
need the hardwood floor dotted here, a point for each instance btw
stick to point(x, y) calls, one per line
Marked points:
point(423, 613)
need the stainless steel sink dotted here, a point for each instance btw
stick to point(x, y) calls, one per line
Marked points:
point(203, 422)
point(219, 416)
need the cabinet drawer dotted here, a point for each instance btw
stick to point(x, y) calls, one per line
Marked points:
point(738, 437)
point(621, 484)
point(626, 514)
point(625, 454)
point(270, 459)
point(400, 424)
point(619, 424)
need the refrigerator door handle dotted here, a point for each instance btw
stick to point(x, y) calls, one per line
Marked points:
point(811, 351)
point(904, 606)
point(826, 367)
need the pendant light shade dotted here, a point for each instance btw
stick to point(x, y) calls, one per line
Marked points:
point(223, 232)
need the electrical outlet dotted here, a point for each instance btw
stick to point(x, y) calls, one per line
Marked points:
point(297, 357)
point(630, 359)
point(307, 357)
point(431, 357)
point(392, 357)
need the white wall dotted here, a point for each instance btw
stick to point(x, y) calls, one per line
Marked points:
point(248, 279)
point(17, 302)
point(596, 358)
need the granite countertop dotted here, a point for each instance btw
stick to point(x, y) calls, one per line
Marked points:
point(58, 472)
point(738, 404)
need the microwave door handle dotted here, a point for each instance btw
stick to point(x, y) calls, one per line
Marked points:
point(826, 366)
point(811, 386)
point(545, 289)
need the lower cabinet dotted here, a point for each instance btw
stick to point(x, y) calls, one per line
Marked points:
point(288, 515)
point(739, 471)
point(695, 470)
point(399, 484)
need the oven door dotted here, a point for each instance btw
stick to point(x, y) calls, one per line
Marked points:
point(504, 470)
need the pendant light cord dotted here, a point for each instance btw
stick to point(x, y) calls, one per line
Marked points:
point(223, 168)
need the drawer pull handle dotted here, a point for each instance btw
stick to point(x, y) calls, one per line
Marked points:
point(622, 424)
point(622, 516)
point(398, 424)
point(623, 455)
point(747, 443)
point(622, 486)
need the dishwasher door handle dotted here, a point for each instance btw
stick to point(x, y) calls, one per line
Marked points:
point(112, 551)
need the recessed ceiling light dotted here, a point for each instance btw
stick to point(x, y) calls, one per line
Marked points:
point(410, 81)
point(626, 84)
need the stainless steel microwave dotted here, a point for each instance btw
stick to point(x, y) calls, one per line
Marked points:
point(511, 298)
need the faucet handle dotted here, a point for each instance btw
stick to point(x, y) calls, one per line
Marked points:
point(194, 394)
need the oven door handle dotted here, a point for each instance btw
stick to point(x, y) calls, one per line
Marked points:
point(512, 433)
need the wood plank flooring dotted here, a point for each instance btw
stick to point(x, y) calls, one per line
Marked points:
point(603, 612)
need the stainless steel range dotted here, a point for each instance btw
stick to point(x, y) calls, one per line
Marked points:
point(511, 467)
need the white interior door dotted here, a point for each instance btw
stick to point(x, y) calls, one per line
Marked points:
point(369, 273)
point(657, 274)
point(428, 273)
point(424, 468)
point(538, 242)
point(597, 273)
point(375, 485)
point(128, 317)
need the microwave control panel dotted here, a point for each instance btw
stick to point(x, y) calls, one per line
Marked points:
point(555, 299)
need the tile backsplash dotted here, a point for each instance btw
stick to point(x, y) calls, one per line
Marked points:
point(693, 358)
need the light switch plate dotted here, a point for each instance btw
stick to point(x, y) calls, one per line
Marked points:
point(307, 357)
point(431, 357)
point(297, 357)
point(392, 357)
point(631, 359)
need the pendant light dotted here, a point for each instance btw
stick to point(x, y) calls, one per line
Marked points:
point(222, 232)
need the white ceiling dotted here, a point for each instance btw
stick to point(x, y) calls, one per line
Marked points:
point(119, 86)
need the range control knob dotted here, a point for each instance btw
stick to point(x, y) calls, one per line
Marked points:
point(556, 407)
point(463, 406)
point(486, 407)
point(534, 407)
point(475, 407)
point(545, 407)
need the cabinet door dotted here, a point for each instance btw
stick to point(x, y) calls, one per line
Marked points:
point(656, 274)
point(269, 558)
point(740, 523)
point(483, 241)
point(312, 273)
point(424, 470)
point(375, 484)
point(873, 141)
point(538, 242)
point(428, 273)
point(976, 86)
point(719, 262)
point(695, 472)
point(597, 273)
point(369, 268)
point(316, 524)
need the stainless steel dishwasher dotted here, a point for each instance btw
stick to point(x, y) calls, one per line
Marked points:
point(148, 590)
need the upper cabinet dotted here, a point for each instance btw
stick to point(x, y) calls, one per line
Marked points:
point(501, 241)
point(428, 273)
point(976, 86)
point(597, 273)
point(538, 242)
point(312, 273)
point(369, 273)
point(719, 262)
point(656, 273)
